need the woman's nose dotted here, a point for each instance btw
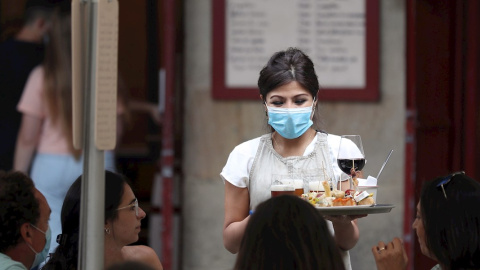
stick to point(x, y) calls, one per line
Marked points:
point(141, 213)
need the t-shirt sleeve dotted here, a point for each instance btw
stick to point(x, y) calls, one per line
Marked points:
point(31, 102)
point(239, 163)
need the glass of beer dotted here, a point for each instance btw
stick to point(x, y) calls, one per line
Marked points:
point(298, 184)
point(280, 188)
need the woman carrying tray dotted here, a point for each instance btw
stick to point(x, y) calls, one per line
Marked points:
point(288, 89)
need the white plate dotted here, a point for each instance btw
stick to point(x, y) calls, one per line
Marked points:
point(355, 210)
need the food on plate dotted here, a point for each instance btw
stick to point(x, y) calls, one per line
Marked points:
point(338, 193)
point(326, 187)
point(363, 198)
point(353, 173)
point(349, 193)
point(329, 198)
point(347, 201)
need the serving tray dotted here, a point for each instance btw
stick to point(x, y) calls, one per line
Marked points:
point(355, 210)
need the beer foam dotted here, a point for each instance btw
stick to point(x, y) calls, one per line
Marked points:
point(282, 188)
point(298, 183)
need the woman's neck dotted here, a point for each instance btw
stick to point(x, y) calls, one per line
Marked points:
point(113, 254)
point(292, 147)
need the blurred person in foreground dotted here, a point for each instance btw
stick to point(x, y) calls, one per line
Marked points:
point(24, 231)
point(18, 56)
point(447, 226)
point(286, 232)
point(130, 265)
point(122, 225)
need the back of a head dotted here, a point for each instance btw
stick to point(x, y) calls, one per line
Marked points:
point(18, 205)
point(65, 256)
point(287, 232)
point(35, 9)
point(129, 266)
point(452, 221)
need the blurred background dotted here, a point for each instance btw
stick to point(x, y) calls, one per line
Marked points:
point(426, 110)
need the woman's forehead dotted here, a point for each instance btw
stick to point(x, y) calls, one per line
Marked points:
point(128, 194)
point(289, 89)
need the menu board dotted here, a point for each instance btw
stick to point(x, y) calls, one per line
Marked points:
point(340, 36)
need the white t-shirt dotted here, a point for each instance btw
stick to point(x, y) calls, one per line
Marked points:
point(239, 163)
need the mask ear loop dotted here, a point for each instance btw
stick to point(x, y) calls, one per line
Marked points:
point(313, 108)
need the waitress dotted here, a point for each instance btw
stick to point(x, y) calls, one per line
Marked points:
point(288, 88)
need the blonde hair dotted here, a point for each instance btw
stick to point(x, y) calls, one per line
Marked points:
point(58, 76)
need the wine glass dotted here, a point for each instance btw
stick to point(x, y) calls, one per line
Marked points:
point(351, 157)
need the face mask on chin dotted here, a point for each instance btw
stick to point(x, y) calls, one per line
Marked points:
point(42, 255)
point(290, 123)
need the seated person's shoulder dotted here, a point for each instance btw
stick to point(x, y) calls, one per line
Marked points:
point(143, 254)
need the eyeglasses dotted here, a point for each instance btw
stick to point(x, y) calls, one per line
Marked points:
point(133, 204)
point(446, 180)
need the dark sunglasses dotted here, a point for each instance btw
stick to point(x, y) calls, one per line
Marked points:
point(446, 180)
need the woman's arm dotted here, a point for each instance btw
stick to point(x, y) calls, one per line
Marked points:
point(27, 141)
point(237, 203)
point(346, 229)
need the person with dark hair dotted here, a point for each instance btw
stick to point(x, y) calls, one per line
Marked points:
point(447, 226)
point(130, 265)
point(122, 225)
point(288, 89)
point(286, 232)
point(24, 231)
point(18, 56)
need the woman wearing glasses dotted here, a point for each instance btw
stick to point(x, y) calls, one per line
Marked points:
point(447, 226)
point(122, 224)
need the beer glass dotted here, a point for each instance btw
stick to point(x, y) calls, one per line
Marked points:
point(282, 188)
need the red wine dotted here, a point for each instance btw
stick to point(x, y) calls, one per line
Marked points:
point(346, 164)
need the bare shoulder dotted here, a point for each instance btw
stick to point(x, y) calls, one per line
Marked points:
point(143, 254)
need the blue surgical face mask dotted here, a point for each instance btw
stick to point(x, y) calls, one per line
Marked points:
point(290, 123)
point(42, 255)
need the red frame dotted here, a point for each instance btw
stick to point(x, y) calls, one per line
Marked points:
point(369, 93)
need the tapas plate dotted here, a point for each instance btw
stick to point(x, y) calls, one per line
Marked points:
point(355, 210)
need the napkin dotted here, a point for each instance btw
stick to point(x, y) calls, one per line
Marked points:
point(370, 181)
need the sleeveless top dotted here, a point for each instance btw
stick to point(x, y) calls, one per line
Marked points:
point(269, 166)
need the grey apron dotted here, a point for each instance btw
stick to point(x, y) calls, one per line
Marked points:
point(269, 166)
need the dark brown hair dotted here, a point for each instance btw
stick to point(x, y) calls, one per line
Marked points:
point(452, 224)
point(285, 67)
point(287, 232)
point(18, 205)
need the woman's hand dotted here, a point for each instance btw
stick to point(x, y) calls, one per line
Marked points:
point(391, 256)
